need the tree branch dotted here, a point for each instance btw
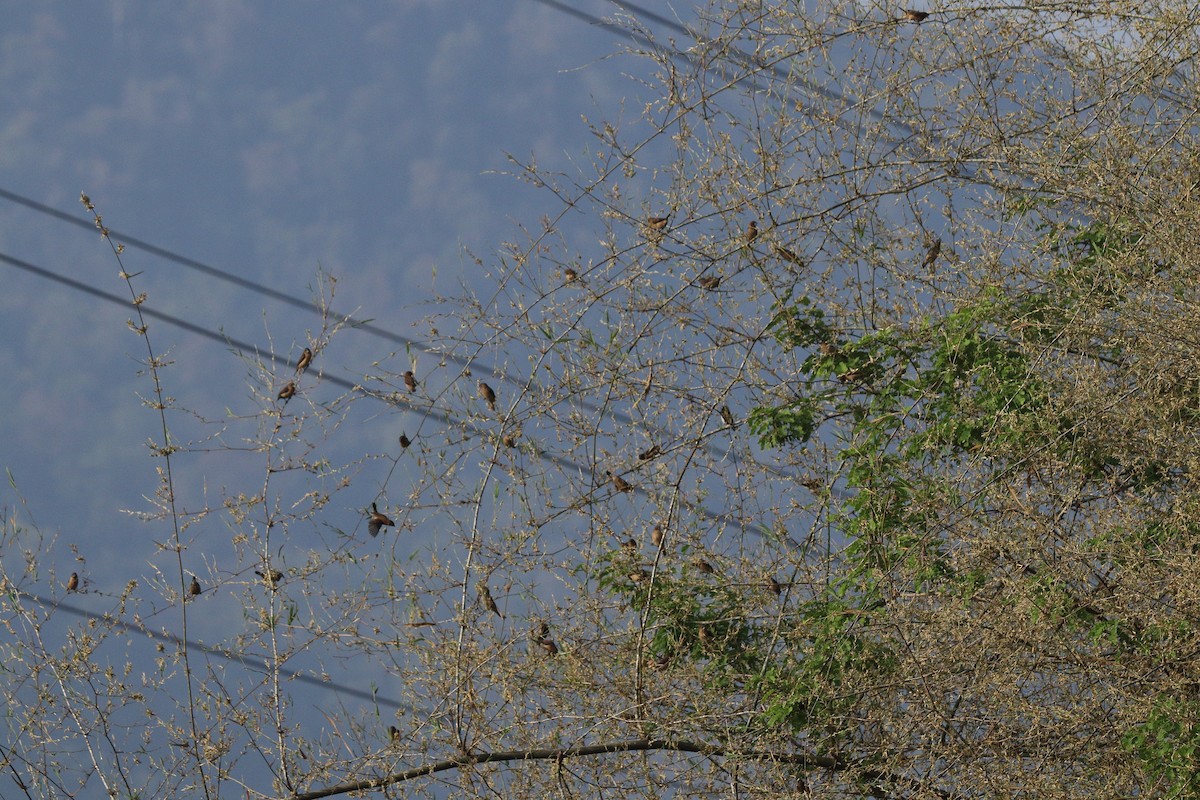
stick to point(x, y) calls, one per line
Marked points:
point(556, 753)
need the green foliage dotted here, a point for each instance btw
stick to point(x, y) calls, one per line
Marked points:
point(1168, 745)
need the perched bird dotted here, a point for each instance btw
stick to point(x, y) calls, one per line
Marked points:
point(270, 577)
point(509, 439)
point(305, 359)
point(486, 600)
point(727, 415)
point(786, 255)
point(405, 441)
point(549, 646)
point(915, 16)
point(287, 392)
point(752, 231)
point(73, 582)
point(639, 575)
point(709, 282)
point(705, 567)
point(619, 483)
point(393, 733)
point(931, 254)
point(194, 588)
point(776, 586)
point(630, 544)
point(410, 380)
point(653, 452)
point(570, 274)
point(488, 395)
point(378, 520)
point(657, 535)
point(657, 224)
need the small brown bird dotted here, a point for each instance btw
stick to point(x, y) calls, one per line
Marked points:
point(935, 248)
point(571, 275)
point(653, 452)
point(915, 16)
point(657, 535)
point(657, 224)
point(488, 395)
point(776, 586)
point(709, 282)
point(270, 577)
point(786, 255)
point(305, 359)
point(73, 582)
point(619, 483)
point(727, 415)
point(509, 439)
point(752, 231)
point(487, 601)
point(378, 520)
point(287, 392)
point(410, 380)
point(405, 441)
point(194, 588)
point(639, 575)
point(630, 544)
point(549, 646)
point(393, 733)
point(705, 567)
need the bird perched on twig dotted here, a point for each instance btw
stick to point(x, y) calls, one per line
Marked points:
point(727, 415)
point(73, 582)
point(775, 586)
point(270, 577)
point(405, 441)
point(194, 588)
point(709, 282)
point(378, 520)
point(752, 231)
point(305, 359)
point(541, 637)
point(393, 733)
point(619, 483)
point(287, 392)
point(657, 224)
point(915, 16)
point(786, 255)
point(705, 567)
point(487, 601)
point(653, 452)
point(488, 394)
point(657, 535)
point(410, 380)
point(935, 248)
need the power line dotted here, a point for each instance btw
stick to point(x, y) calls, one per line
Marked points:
point(215, 272)
point(255, 664)
point(220, 274)
point(443, 417)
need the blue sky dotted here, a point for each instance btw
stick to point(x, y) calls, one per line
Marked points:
point(278, 142)
point(271, 141)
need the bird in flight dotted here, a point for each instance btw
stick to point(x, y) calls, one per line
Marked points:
point(378, 520)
